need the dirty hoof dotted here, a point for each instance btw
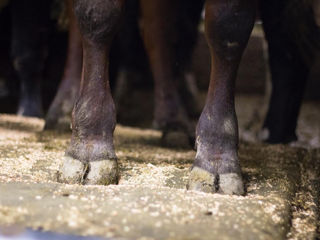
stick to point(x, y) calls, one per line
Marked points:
point(231, 183)
point(201, 180)
point(204, 181)
point(102, 172)
point(72, 171)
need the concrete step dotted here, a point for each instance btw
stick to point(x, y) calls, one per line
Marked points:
point(151, 202)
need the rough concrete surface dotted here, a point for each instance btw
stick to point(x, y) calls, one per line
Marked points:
point(151, 201)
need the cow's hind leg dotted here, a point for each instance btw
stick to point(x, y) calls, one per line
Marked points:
point(216, 166)
point(90, 157)
point(59, 113)
point(160, 18)
point(187, 28)
point(289, 73)
point(30, 20)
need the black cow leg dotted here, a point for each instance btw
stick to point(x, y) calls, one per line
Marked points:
point(90, 157)
point(160, 18)
point(289, 75)
point(189, 16)
point(216, 167)
point(30, 19)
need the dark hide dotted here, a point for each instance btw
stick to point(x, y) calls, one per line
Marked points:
point(30, 20)
point(291, 34)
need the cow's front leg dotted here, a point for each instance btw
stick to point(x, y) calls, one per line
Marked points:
point(90, 157)
point(216, 167)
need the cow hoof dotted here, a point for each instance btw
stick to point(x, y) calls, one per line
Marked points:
point(30, 112)
point(103, 172)
point(204, 181)
point(201, 180)
point(72, 171)
point(231, 183)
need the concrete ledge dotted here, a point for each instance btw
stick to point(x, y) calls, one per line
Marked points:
point(151, 201)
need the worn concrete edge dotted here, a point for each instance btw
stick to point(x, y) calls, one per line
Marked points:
point(305, 206)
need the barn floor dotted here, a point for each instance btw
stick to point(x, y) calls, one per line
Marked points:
point(282, 183)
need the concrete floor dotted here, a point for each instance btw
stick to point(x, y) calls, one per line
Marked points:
point(151, 202)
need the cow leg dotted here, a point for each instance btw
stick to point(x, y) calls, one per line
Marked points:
point(90, 157)
point(159, 18)
point(30, 21)
point(189, 17)
point(289, 75)
point(59, 114)
point(129, 54)
point(216, 166)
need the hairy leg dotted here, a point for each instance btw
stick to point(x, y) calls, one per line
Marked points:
point(216, 166)
point(90, 157)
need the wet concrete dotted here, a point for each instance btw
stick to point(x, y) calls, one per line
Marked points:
point(151, 202)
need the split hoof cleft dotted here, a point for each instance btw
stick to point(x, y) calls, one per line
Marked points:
point(103, 172)
point(226, 183)
point(72, 171)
